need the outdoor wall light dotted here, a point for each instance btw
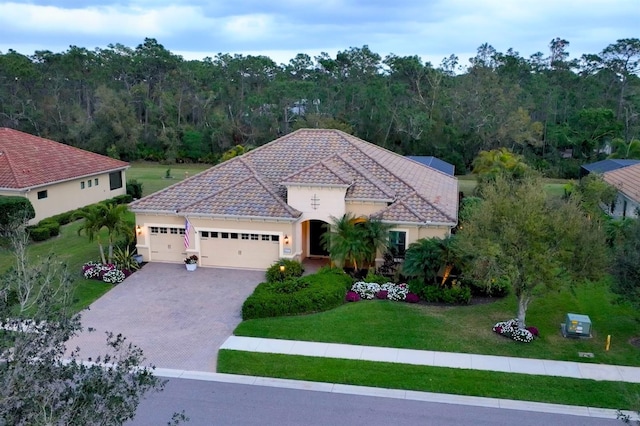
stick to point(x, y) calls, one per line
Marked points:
point(139, 230)
point(286, 240)
point(282, 268)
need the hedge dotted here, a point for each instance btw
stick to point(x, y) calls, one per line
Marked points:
point(14, 208)
point(313, 293)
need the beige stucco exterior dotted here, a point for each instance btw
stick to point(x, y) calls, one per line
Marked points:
point(68, 195)
point(267, 240)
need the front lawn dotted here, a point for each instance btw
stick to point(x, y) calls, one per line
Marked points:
point(153, 175)
point(468, 328)
point(557, 390)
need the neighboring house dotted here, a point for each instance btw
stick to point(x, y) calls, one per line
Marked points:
point(606, 166)
point(627, 181)
point(434, 162)
point(274, 202)
point(56, 177)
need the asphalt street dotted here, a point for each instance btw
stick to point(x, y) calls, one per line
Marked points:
point(216, 403)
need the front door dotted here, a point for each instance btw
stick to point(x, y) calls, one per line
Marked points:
point(316, 230)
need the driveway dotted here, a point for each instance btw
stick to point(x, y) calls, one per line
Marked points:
point(178, 318)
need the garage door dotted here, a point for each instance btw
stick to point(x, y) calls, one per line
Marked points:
point(166, 244)
point(239, 250)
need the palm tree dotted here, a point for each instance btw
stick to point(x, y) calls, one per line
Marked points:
point(100, 216)
point(425, 257)
point(621, 149)
point(376, 236)
point(345, 241)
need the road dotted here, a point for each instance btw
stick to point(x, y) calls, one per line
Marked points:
point(215, 403)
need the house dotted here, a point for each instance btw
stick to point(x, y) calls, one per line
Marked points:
point(434, 162)
point(274, 202)
point(607, 165)
point(56, 177)
point(627, 181)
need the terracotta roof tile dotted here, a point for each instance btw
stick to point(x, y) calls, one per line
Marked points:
point(28, 161)
point(308, 156)
point(626, 180)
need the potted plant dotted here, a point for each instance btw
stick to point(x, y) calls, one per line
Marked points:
point(191, 262)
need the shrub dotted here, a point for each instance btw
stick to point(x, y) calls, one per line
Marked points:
point(134, 188)
point(292, 269)
point(459, 295)
point(38, 233)
point(499, 287)
point(314, 293)
point(352, 296)
point(373, 278)
point(14, 208)
point(382, 294)
point(412, 298)
point(51, 225)
point(64, 218)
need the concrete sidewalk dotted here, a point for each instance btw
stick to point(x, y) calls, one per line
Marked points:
point(615, 373)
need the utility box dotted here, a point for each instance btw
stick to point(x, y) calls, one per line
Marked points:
point(577, 325)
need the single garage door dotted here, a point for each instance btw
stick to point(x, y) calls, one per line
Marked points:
point(239, 250)
point(166, 244)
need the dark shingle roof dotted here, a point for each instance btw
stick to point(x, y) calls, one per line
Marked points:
point(608, 165)
point(28, 161)
point(434, 162)
point(255, 183)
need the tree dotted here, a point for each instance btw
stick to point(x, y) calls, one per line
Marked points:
point(625, 267)
point(101, 216)
point(489, 165)
point(621, 149)
point(423, 259)
point(376, 238)
point(520, 234)
point(37, 384)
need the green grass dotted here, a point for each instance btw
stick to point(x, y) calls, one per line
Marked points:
point(152, 175)
point(558, 390)
point(468, 328)
point(73, 250)
point(555, 187)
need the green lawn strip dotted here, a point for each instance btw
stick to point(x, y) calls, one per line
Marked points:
point(467, 329)
point(153, 175)
point(556, 390)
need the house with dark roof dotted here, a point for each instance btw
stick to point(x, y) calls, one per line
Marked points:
point(56, 177)
point(274, 202)
point(627, 181)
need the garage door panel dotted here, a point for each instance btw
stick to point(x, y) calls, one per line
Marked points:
point(166, 246)
point(239, 253)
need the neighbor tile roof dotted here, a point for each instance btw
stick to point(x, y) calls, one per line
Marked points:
point(255, 183)
point(626, 180)
point(28, 161)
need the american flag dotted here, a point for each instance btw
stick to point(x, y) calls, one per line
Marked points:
point(187, 231)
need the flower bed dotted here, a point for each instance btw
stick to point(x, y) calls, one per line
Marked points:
point(108, 273)
point(510, 329)
point(390, 291)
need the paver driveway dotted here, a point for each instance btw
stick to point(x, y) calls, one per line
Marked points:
point(178, 318)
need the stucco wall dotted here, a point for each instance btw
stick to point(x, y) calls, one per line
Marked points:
point(66, 196)
point(624, 207)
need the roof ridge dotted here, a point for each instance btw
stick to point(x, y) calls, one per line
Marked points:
point(268, 187)
point(428, 202)
point(213, 194)
point(378, 183)
point(322, 162)
point(11, 168)
point(334, 168)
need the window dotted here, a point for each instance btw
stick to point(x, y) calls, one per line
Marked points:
point(42, 194)
point(398, 242)
point(204, 234)
point(275, 238)
point(244, 236)
point(224, 235)
point(163, 230)
point(82, 185)
point(174, 231)
point(254, 237)
point(181, 231)
point(155, 229)
point(214, 235)
point(234, 236)
point(95, 181)
point(266, 237)
point(115, 180)
point(89, 183)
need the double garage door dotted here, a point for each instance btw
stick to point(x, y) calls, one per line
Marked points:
point(220, 248)
point(239, 250)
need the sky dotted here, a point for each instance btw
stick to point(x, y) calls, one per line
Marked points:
point(280, 29)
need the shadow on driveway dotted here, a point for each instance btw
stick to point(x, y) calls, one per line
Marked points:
point(178, 318)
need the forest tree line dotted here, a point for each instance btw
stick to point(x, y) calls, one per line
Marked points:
point(148, 103)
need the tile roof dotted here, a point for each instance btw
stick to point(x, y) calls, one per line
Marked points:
point(626, 180)
point(28, 161)
point(254, 184)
